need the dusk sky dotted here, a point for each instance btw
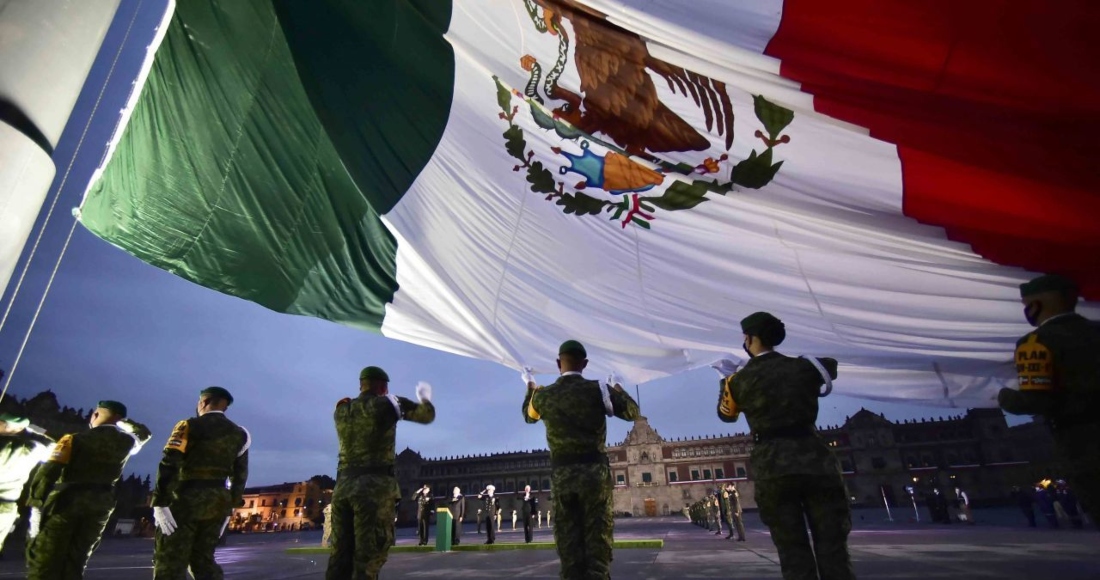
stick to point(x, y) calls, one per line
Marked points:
point(116, 328)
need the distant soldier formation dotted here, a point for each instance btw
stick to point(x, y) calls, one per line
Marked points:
point(799, 491)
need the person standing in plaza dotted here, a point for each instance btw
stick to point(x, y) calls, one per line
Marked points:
point(733, 511)
point(479, 520)
point(515, 517)
point(1058, 370)
point(798, 478)
point(489, 505)
point(528, 509)
point(366, 492)
point(72, 495)
point(574, 411)
point(22, 448)
point(201, 478)
point(458, 513)
point(423, 498)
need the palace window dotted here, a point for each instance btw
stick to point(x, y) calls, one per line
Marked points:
point(298, 502)
point(695, 475)
point(251, 503)
point(878, 463)
point(620, 479)
point(741, 472)
point(672, 477)
point(545, 485)
point(647, 477)
point(719, 473)
point(706, 474)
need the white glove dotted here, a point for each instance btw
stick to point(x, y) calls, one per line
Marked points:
point(725, 367)
point(528, 375)
point(34, 523)
point(162, 516)
point(225, 524)
point(615, 379)
point(423, 392)
point(125, 426)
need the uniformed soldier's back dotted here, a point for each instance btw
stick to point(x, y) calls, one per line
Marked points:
point(1075, 343)
point(214, 443)
point(367, 429)
point(575, 416)
point(97, 456)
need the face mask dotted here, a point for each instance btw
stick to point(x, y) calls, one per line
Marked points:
point(746, 347)
point(1032, 314)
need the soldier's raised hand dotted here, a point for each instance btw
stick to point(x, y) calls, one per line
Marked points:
point(725, 367)
point(615, 379)
point(423, 392)
point(528, 376)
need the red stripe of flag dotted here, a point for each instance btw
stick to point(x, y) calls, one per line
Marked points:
point(994, 106)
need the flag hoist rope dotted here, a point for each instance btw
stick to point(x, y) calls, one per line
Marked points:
point(49, 214)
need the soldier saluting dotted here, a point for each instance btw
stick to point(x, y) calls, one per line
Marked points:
point(575, 410)
point(798, 478)
point(73, 494)
point(491, 503)
point(363, 502)
point(1058, 365)
point(22, 448)
point(192, 500)
point(423, 498)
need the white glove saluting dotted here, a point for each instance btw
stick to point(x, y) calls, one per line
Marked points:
point(34, 524)
point(423, 392)
point(615, 379)
point(528, 376)
point(725, 367)
point(162, 516)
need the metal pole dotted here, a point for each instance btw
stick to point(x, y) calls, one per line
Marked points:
point(916, 512)
point(886, 503)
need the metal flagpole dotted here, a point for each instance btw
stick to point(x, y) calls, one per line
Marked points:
point(886, 503)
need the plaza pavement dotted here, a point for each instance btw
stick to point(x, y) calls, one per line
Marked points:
point(999, 546)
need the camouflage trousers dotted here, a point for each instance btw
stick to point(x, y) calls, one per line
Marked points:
point(9, 515)
point(191, 546)
point(787, 503)
point(584, 532)
point(72, 526)
point(735, 522)
point(362, 526)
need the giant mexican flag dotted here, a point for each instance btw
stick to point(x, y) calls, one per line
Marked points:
point(490, 177)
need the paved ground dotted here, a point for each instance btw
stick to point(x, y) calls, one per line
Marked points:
point(998, 547)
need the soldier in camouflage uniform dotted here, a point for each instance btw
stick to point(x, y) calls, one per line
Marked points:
point(363, 502)
point(73, 494)
point(1058, 365)
point(192, 500)
point(732, 500)
point(798, 478)
point(575, 412)
point(22, 448)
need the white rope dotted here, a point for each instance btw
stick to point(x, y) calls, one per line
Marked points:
point(53, 204)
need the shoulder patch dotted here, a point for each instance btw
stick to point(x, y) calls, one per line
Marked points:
point(177, 441)
point(1034, 365)
point(62, 450)
point(343, 401)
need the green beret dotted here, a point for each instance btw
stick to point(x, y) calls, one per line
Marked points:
point(762, 324)
point(218, 392)
point(114, 407)
point(373, 374)
point(574, 348)
point(15, 420)
point(1048, 283)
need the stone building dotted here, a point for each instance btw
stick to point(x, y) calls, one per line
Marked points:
point(976, 451)
point(283, 507)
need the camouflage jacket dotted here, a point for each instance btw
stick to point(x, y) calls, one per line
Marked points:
point(19, 454)
point(205, 448)
point(367, 427)
point(1058, 365)
point(95, 458)
point(575, 416)
point(777, 392)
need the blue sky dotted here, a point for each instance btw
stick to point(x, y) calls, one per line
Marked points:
point(114, 327)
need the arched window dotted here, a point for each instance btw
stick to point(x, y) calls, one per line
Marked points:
point(297, 502)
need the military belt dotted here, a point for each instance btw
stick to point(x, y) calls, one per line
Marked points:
point(565, 460)
point(203, 484)
point(790, 432)
point(365, 470)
